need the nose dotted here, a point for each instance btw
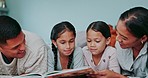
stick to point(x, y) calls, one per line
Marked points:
point(68, 45)
point(118, 38)
point(22, 47)
point(92, 44)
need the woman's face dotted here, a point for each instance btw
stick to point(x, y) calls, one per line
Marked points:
point(96, 42)
point(65, 43)
point(124, 37)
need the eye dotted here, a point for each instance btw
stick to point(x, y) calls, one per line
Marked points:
point(62, 42)
point(97, 41)
point(123, 38)
point(15, 47)
point(72, 40)
point(88, 40)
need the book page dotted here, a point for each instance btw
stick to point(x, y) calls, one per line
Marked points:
point(71, 73)
point(31, 75)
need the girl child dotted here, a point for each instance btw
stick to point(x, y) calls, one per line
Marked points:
point(64, 54)
point(97, 53)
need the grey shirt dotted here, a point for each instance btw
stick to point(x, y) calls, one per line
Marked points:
point(131, 67)
point(76, 62)
point(35, 60)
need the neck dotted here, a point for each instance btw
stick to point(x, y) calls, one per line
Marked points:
point(63, 56)
point(97, 58)
point(136, 50)
point(6, 59)
point(64, 61)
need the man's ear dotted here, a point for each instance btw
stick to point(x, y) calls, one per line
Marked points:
point(108, 41)
point(54, 42)
point(1, 49)
point(144, 39)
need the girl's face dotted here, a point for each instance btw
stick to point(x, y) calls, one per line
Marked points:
point(65, 43)
point(124, 37)
point(96, 42)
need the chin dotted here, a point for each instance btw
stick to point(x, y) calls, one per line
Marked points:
point(67, 54)
point(21, 56)
point(94, 53)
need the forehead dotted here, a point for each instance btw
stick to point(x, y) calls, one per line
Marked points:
point(66, 35)
point(93, 34)
point(16, 41)
point(121, 28)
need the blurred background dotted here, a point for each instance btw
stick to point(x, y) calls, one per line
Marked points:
point(39, 16)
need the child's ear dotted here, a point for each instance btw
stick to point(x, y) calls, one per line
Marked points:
point(54, 42)
point(108, 41)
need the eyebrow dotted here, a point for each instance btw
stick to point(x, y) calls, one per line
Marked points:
point(19, 44)
point(121, 34)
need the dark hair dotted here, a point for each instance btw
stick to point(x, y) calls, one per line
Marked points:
point(57, 30)
point(9, 28)
point(136, 22)
point(100, 26)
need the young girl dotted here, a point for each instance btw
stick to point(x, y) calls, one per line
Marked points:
point(64, 54)
point(97, 53)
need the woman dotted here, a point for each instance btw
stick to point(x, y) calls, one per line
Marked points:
point(132, 45)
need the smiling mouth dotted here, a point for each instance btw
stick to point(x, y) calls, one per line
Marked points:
point(67, 51)
point(92, 49)
point(21, 52)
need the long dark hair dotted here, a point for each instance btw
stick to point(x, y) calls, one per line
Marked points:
point(57, 30)
point(137, 22)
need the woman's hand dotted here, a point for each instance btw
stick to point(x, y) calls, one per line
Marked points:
point(105, 74)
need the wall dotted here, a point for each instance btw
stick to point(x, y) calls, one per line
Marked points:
point(40, 16)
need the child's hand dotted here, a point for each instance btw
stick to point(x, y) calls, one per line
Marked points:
point(105, 74)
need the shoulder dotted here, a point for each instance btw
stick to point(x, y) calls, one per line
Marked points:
point(78, 51)
point(35, 45)
point(30, 35)
point(50, 53)
point(110, 50)
point(33, 41)
point(121, 51)
point(85, 50)
point(122, 54)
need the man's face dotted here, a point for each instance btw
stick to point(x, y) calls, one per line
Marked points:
point(15, 48)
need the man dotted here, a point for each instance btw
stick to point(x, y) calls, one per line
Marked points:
point(21, 52)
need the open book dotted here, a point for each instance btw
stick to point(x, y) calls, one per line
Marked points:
point(69, 73)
